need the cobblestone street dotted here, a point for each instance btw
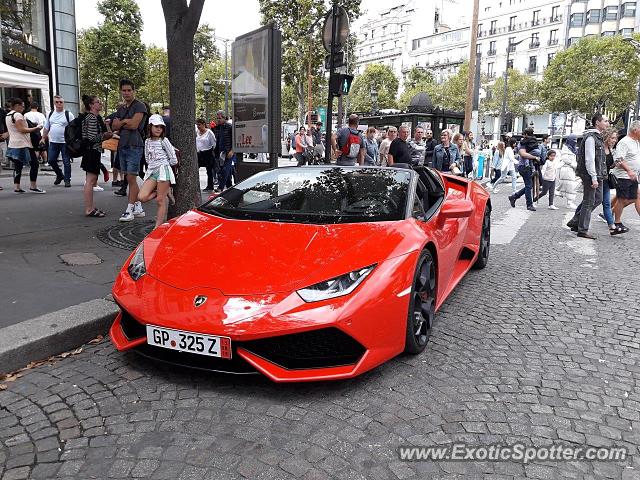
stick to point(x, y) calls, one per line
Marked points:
point(541, 347)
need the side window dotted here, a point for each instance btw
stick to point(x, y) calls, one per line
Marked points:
point(419, 200)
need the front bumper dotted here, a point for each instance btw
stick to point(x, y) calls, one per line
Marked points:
point(278, 335)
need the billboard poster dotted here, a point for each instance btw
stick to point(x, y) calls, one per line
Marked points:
point(250, 87)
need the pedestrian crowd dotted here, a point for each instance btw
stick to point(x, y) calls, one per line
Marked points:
point(139, 142)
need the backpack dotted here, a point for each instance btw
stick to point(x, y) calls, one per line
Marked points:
point(352, 146)
point(76, 146)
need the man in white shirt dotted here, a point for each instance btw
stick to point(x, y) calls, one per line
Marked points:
point(37, 118)
point(627, 166)
point(54, 127)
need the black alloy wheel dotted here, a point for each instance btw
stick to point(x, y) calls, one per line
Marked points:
point(422, 306)
point(485, 241)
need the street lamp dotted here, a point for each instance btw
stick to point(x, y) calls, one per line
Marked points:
point(374, 100)
point(503, 123)
point(206, 85)
point(635, 44)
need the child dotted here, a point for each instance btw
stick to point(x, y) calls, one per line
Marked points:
point(549, 178)
point(160, 156)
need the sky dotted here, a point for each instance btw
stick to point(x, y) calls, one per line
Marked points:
point(230, 19)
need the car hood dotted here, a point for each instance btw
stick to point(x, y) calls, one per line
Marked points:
point(240, 257)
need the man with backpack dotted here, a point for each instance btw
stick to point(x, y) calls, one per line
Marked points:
point(54, 127)
point(129, 122)
point(350, 144)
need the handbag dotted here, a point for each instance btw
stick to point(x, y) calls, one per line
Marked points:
point(613, 181)
point(111, 144)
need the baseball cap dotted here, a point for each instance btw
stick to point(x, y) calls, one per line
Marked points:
point(156, 119)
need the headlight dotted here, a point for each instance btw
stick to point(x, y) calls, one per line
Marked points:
point(136, 266)
point(336, 287)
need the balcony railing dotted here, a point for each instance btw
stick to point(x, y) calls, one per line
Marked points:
point(511, 48)
point(531, 70)
point(491, 53)
point(491, 75)
point(520, 26)
point(534, 44)
point(553, 41)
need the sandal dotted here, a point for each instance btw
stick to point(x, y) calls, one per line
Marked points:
point(96, 213)
point(618, 229)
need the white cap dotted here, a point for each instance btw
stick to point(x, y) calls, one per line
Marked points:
point(156, 119)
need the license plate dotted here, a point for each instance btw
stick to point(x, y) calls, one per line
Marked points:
point(189, 342)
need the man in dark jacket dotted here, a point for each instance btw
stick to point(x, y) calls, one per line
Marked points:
point(223, 151)
point(529, 152)
point(592, 170)
point(430, 146)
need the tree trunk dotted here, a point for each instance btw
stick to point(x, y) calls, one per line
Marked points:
point(300, 95)
point(181, 25)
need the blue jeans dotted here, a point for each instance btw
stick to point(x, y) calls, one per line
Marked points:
point(502, 178)
point(606, 203)
point(226, 172)
point(55, 149)
point(526, 174)
point(130, 158)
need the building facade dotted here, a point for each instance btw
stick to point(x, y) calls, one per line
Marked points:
point(39, 36)
point(601, 17)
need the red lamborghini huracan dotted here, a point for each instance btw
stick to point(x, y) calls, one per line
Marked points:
point(310, 273)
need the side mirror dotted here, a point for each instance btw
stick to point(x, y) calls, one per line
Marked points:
point(460, 208)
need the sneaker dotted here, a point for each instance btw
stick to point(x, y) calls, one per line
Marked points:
point(512, 201)
point(58, 180)
point(37, 190)
point(67, 184)
point(602, 217)
point(138, 212)
point(531, 208)
point(122, 192)
point(127, 216)
point(98, 188)
point(553, 207)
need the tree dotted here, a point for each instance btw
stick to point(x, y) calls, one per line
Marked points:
point(452, 93)
point(155, 91)
point(112, 50)
point(181, 20)
point(204, 48)
point(378, 77)
point(213, 71)
point(522, 95)
point(418, 80)
point(299, 51)
point(593, 74)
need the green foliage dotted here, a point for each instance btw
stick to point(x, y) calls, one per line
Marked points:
point(204, 48)
point(378, 77)
point(299, 51)
point(112, 50)
point(418, 80)
point(214, 72)
point(593, 74)
point(452, 93)
point(289, 103)
point(155, 91)
point(522, 95)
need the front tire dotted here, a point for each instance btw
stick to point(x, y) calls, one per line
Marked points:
point(422, 305)
point(485, 241)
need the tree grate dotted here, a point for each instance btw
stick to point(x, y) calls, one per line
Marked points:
point(126, 235)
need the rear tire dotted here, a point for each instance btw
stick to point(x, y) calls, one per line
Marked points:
point(422, 305)
point(485, 241)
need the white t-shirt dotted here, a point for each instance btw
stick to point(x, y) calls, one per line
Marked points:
point(205, 141)
point(55, 125)
point(17, 139)
point(35, 117)
point(628, 150)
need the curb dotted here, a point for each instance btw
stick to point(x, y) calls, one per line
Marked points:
point(54, 333)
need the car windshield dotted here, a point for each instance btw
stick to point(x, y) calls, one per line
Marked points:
point(317, 195)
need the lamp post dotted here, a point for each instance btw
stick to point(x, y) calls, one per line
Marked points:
point(503, 124)
point(635, 44)
point(374, 100)
point(206, 86)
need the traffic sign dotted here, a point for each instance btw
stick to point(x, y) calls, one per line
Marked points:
point(340, 84)
point(342, 30)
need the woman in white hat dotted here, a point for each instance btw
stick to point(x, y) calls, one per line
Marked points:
point(160, 156)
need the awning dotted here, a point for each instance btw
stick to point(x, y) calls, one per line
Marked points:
point(11, 77)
